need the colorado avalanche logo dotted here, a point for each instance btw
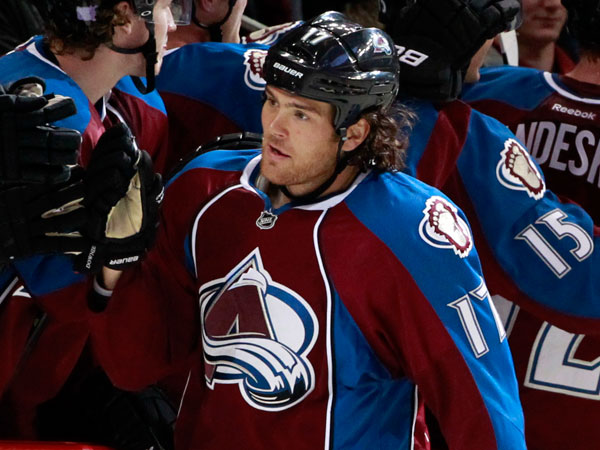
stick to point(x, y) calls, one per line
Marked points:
point(442, 227)
point(381, 45)
point(517, 171)
point(253, 77)
point(257, 333)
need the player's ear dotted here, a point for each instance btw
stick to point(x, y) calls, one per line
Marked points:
point(356, 134)
point(123, 19)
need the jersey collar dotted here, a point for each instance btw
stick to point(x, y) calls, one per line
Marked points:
point(252, 170)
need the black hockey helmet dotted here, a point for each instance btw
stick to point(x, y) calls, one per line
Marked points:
point(583, 22)
point(334, 60)
point(74, 17)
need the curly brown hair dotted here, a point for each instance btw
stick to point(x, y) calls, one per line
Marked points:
point(84, 37)
point(384, 149)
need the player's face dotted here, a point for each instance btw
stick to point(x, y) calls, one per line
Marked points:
point(543, 21)
point(299, 143)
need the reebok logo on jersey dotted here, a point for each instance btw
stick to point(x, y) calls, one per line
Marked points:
point(119, 261)
point(288, 70)
point(517, 171)
point(573, 112)
point(442, 227)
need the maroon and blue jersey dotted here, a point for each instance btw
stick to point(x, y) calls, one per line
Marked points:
point(454, 128)
point(210, 89)
point(144, 114)
point(54, 287)
point(557, 118)
point(534, 243)
point(532, 246)
point(317, 326)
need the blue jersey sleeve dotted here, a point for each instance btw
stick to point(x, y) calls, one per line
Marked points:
point(546, 246)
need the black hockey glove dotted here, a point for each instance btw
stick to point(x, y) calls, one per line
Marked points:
point(122, 198)
point(31, 151)
point(41, 218)
point(438, 38)
point(91, 409)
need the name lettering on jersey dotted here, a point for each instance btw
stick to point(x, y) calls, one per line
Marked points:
point(288, 70)
point(442, 227)
point(573, 112)
point(253, 76)
point(257, 333)
point(564, 147)
point(517, 171)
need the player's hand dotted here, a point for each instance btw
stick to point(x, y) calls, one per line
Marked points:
point(230, 30)
point(123, 196)
point(32, 150)
point(42, 218)
point(438, 38)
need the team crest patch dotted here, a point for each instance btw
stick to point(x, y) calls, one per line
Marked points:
point(517, 171)
point(257, 333)
point(253, 77)
point(442, 227)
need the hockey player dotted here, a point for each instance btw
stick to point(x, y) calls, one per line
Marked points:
point(318, 294)
point(434, 67)
point(87, 49)
point(555, 116)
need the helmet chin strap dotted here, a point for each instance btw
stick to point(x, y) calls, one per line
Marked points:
point(150, 55)
point(213, 29)
point(341, 163)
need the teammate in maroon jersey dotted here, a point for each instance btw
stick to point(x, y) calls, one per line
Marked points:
point(317, 294)
point(90, 50)
point(556, 117)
